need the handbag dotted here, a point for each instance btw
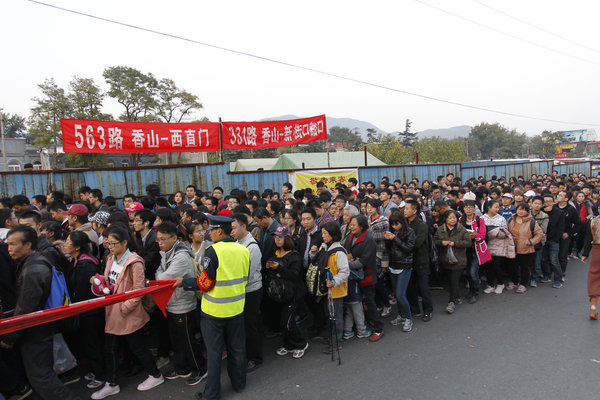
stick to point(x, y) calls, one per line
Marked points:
point(450, 257)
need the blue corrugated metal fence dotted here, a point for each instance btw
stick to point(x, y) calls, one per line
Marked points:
point(120, 181)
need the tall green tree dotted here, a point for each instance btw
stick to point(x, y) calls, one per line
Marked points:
point(338, 134)
point(371, 133)
point(408, 138)
point(86, 99)
point(44, 120)
point(391, 150)
point(174, 104)
point(495, 141)
point(134, 90)
point(544, 144)
point(13, 125)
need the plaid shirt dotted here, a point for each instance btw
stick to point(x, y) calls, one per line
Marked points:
point(377, 229)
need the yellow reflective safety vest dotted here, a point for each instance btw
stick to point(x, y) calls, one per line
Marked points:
point(226, 299)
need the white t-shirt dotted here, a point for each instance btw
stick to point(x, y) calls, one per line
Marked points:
point(117, 266)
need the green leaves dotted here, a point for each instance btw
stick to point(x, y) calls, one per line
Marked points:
point(495, 141)
point(392, 150)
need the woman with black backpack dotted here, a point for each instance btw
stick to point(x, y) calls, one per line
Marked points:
point(284, 285)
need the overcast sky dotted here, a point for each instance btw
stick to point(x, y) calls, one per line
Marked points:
point(401, 44)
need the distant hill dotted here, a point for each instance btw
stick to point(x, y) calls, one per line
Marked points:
point(447, 133)
point(343, 122)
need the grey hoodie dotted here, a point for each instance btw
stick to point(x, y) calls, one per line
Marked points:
point(177, 263)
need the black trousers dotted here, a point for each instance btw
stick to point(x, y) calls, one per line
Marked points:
point(91, 339)
point(382, 294)
point(419, 286)
point(564, 247)
point(495, 271)
point(371, 312)
point(315, 305)
point(292, 337)
point(38, 360)
point(137, 345)
point(453, 278)
point(520, 268)
point(159, 323)
point(12, 375)
point(253, 325)
point(222, 334)
point(188, 351)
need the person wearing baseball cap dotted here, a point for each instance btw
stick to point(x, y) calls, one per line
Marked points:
point(77, 217)
point(226, 266)
point(507, 209)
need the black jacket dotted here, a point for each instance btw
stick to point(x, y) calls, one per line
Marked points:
point(315, 240)
point(291, 270)
point(572, 220)
point(84, 268)
point(422, 244)
point(150, 252)
point(34, 277)
point(267, 245)
point(401, 250)
point(556, 224)
point(7, 281)
point(364, 252)
point(52, 254)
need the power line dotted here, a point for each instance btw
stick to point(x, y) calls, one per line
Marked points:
point(537, 27)
point(304, 68)
point(508, 34)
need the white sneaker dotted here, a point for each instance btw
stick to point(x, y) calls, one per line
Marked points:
point(386, 311)
point(150, 383)
point(107, 390)
point(488, 290)
point(499, 289)
point(94, 384)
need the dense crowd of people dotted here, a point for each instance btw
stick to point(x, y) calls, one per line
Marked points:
point(322, 266)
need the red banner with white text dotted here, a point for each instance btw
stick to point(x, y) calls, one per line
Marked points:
point(90, 136)
point(265, 134)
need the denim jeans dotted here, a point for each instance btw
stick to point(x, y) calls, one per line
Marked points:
point(550, 263)
point(338, 314)
point(472, 272)
point(224, 334)
point(536, 270)
point(400, 282)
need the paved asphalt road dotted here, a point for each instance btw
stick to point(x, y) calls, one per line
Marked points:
point(540, 345)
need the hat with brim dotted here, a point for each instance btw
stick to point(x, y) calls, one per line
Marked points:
point(282, 231)
point(218, 221)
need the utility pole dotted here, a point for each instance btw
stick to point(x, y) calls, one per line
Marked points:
point(55, 142)
point(3, 147)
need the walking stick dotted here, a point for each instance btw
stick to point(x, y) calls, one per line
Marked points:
point(333, 331)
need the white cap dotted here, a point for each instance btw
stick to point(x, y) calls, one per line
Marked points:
point(530, 193)
point(507, 195)
point(469, 196)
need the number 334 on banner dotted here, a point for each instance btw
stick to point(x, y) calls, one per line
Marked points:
point(89, 136)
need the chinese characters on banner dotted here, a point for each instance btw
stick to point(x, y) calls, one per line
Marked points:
point(259, 135)
point(309, 179)
point(86, 136)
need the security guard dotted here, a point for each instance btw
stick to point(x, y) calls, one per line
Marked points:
point(223, 281)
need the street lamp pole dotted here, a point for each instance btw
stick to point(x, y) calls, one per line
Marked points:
point(3, 147)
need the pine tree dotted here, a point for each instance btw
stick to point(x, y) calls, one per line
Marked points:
point(408, 138)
